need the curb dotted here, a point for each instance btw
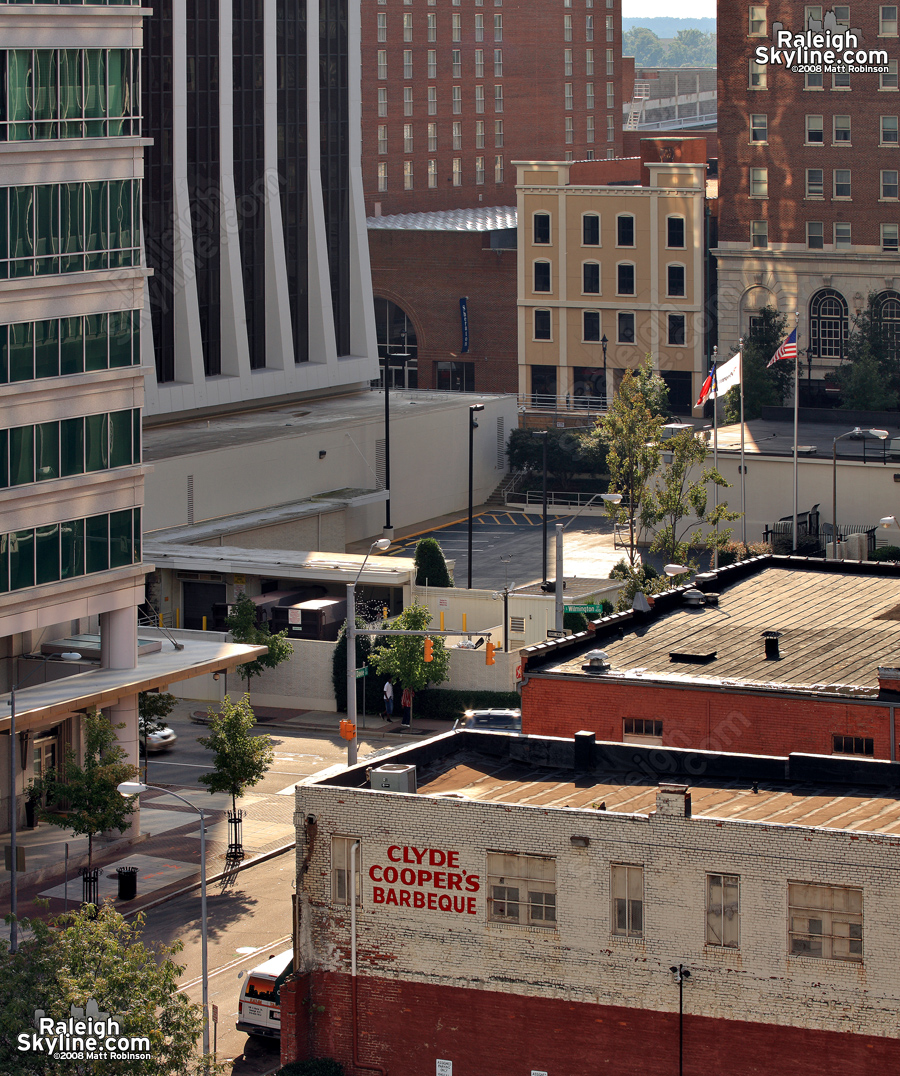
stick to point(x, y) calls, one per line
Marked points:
point(210, 878)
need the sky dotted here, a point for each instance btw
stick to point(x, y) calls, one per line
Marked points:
point(687, 9)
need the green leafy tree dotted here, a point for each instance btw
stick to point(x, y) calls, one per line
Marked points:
point(677, 507)
point(241, 622)
point(646, 48)
point(643, 578)
point(566, 455)
point(403, 657)
point(98, 956)
point(764, 385)
point(153, 709)
point(431, 567)
point(339, 661)
point(240, 760)
point(90, 788)
point(631, 430)
point(692, 48)
point(869, 380)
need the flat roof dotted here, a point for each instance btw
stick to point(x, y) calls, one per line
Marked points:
point(494, 218)
point(838, 625)
point(772, 437)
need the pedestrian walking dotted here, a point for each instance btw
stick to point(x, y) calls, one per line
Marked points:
point(388, 699)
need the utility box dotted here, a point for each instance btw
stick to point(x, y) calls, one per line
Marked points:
point(393, 777)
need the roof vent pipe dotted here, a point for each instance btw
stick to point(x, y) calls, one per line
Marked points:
point(772, 650)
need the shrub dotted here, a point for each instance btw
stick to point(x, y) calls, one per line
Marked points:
point(431, 567)
point(731, 552)
point(318, 1066)
point(447, 705)
point(887, 552)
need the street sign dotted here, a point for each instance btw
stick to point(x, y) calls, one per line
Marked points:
point(583, 609)
point(215, 1014)
point(364, 671)
point(20, 857)
point(552, 633)
point(443, 1068)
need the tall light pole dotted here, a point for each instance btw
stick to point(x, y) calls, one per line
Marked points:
point(473, 426)
point(544, 435)
point(603, 343)
point(13, 802)
point(857, 433)
point(352, 744)
point(681, 973)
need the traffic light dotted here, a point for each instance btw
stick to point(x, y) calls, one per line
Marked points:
point(429, 649)
point(348, 730)
point(489, 653)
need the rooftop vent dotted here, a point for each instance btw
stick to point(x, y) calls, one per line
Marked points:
point(693, 597)
point(693, 657)
point(597, 662)
point(772, 651)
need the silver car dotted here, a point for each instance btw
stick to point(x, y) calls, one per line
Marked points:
point(497, 720)
point(161, 740)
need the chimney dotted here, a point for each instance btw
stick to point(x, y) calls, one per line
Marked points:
point(584, 751)
point(772, 650)
point(673, 801)
point(888, 679)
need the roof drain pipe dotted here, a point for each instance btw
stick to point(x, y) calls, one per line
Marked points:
point(354, 851)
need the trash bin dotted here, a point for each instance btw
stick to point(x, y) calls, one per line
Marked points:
point(127, 882)
point(90, 882)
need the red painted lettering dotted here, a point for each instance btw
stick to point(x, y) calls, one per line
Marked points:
point(390, 874)
point(473, 883)
point(406, 858)
point(436, 858)
point(432, 902)
point(453, 859)
point(419, 855)
point(459, 903)
point(407, 876)
point(424, 876)
point(394, 858)
point(391, 897)
point(445, 903)
point(439, 877)
point(372, 874)
point(471, 908)
point(377, 895)
point(404, 898)
point(454, 881)
point(418, 900)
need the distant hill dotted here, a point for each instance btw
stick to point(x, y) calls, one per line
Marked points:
point(667, 28)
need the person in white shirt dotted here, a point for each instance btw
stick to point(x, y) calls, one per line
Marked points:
point(388, 699)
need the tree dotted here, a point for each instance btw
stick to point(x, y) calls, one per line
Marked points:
point(869, 380)
point(764, 385)
point(241, 622)
point(631, 429)
point(153, 709)
point(566, 455)
point(431, 567)
point(98, 956)
point(644, 46)
point(643, 578)
point(679, 494)
point(339, 661)
point(403, 657)
point(240, 760)
point(90, 789)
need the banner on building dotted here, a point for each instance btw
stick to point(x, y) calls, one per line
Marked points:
point(464, 319)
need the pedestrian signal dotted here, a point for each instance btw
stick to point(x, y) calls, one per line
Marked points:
point(348, 730)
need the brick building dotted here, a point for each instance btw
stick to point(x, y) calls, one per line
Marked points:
point(452, 90)
point(705, 677)
point(809, 171)
point(423, 266)
point(532, 900)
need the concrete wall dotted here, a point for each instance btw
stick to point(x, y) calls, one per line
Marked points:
point(325, 532)
point(483, 613)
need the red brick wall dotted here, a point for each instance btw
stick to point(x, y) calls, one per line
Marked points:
point(426, 273)
point(709, 720)
point(786, 104)
point(533, 97)
point(406, 1027)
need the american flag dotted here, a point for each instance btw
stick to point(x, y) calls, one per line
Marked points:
point(788, 350)
point(709, 388)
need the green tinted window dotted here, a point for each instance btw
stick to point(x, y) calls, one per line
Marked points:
point(4, 563)
point(46, 240)
point(46, 444)
point(21, 560)
point(96, 540)
point(120, 438)
point(120, 546)
point(137, 536)
point(71, 345)
point(72, 548)
point(71, 225)
point(120, 338)
point(4, 354)
point(46, 348)
point(21, 351)
point(136, 435)
point(47, 553)
point(71, 437)
point(96, 443)
point(95, 342)
point(4, 459)
point(21, 455)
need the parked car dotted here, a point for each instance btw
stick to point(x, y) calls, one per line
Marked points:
point(501, 720)
point(161, 740)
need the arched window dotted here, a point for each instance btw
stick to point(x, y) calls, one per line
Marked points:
point(397, 340)
point(828, 324)
point(889, 309)
point(590, 278)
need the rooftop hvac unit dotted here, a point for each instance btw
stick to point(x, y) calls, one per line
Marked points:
point(393, 777)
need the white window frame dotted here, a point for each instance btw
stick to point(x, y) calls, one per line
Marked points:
point(891, 172)
point(624, 880)
point(757, 76)
point(756, 126)
point(683, 293)
point(534, 335)
point(759, 228)
point(723, 911)
point(633, 243)
point(599, 243)
point(759, 182)
point(890, 243)
point(887, 26)
point(340, 870)
point(630, 294)
point(821, 236)
point(815, 124)
point(584, 266)
point(757, 21)
point(888, 81)
point(534, 265)
point(811, 191)
point(849, 184)
point(895, 131)
point(835, 141)
point(539, 905)
point(407, 175)
point(808, 937)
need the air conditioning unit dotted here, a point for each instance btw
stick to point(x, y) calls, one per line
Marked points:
point(392, 777)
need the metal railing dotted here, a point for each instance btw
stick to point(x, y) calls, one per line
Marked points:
point(561, 500)
point(594, 405)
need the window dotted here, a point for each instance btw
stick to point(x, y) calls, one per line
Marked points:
point(625, 278)
point(498, 169)
point(455, 376)
point(340, 870)
point(589, 135)
point(432, 63)
point(567, 63)
point(841, 182)
point(382, 176)
point(570, 101)
point(407, 101)
point(890, 238)
point(610, 62)
point(457, 172)
point(757, 76)
point(498, 98)
point(498, 27)
point(610, 29)
point(570, 132)
point(498, 63)
point(840, 80)
point(522, 889)
point(382, 101)
point(853, 745)
point(479, 63)
point(567, 27)
point(723, 911)
point(815, 235)
point(759, 127)
point(625, 231)
point(382, 63)
point(498, 133)
point(889, 130)
point(456, 95)
point(675, 280)
point(590, 230)
point(432, 138)
point(589, 61)
point(457, 134)
point(479, 27)
point(676, 330)
point(675, 232)
point(887, 21)
point(432, 100)
point(407, 175)
point(541, 228)
point(542, 323)
point(455, 27)
point(432, 174)
point(590, 278)
point(589, 28)
point(625, 327)
point(815, 132)
point(828, 323)
point(759, 233)
point(610, 95)
point(381, 20)
point(456, 63)
point(382, 138)
point(479, 99)
point(757, 21)
point(889, 185)
point(479, 170)
point(626, 889)
point(431, 25)
point(841, 130)
point(814, 80)
point(826, 922)
point(591, 326)
point(759, 183)
point(643, 727)
point(610, 134)
point(407, 138)
point(812, 14)
point(842, 15)
point(407, 28)
point(815, 183)
point(479, 135)
point(542, 276)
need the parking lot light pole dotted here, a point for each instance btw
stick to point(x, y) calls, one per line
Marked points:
point(473, 426)
point(352, 745)
point(858, 434)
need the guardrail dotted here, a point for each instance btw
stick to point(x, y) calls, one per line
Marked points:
point(556, 500)
point(595, 405)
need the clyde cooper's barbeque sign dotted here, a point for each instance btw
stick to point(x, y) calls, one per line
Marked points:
point(428, 878)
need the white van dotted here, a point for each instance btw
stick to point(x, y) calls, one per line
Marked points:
point(259, 1008)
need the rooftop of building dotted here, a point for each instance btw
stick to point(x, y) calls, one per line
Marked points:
point(480, 219)
point(554, 773)
point(839, 621)
point(769, 436)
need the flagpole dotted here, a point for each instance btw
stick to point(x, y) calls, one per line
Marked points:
point(716, 463)
point(796, 420)
point(743, 468)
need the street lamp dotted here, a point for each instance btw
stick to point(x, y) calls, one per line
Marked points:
point(404, 354)
point(380, 544)
point(681, 973)
point(603, 343)
point(543, 434)
point(134, 788)
point(70, 655)
point(473, 426)
point(672, 570)
point(857, 434)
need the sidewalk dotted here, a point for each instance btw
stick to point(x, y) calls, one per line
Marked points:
point(329, 721)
